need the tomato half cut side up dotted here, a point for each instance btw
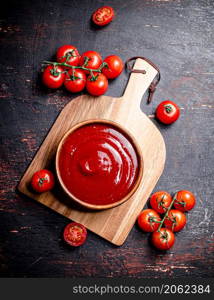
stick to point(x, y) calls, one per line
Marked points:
point(75, 234)
point(103, 15)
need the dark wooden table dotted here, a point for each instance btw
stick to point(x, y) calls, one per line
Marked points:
point(178, 36)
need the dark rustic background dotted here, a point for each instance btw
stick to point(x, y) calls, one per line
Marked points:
point(178, 36)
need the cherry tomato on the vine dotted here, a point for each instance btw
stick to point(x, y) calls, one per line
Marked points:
point(175, 220)
point(114, 66)
point(68, 54)
point(75, 81)
point(91, 60)
point(103, 15)
point(185, 200)
point(42, 181)
point(97, 84)
point(53, 76)
point(149, 220)
point(160, 201)
point(163, 239)
point(75, 234)
point(167, 112)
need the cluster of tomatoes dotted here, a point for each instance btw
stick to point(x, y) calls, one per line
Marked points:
point(172, 220)
point(77, 72)
point(74, 233)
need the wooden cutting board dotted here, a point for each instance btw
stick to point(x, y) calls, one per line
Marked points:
point(112, 224)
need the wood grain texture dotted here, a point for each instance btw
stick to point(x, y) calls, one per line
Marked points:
point(178, 36)
point(125, 112)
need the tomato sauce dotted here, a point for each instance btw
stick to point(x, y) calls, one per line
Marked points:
point(98, 164)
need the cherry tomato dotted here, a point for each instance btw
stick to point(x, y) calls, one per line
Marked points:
point(42, 181)
point(53, 77)
point(75, 234)
point(185, 200)
point(160, 201)
point(68, 54)
point(75, 81)
point(97, 85)
point(164, 239)
point(103, 15)
point(167, 112)
point(114, 66)
point(91, 60)
point(175, 220)
point(148, 220)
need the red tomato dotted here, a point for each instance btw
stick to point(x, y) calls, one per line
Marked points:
point(97, 86)
point(75, 81)
point(42, 181)
point(75, 234)
point(91, 60)
point(185, 200)
point(167, 112)
point(103, 15)
point(175, 220)
point(68, 54)
point(53, 77)
point(163, 239)
point(148, 220)
point(160, 201)
point(114, 66)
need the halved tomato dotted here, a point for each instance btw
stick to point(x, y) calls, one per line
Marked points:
point(75, 234)
point(103, 15)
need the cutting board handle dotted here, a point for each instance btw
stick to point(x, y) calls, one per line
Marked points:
point(139, 83)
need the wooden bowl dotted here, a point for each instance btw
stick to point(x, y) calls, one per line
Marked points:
point(139, 156)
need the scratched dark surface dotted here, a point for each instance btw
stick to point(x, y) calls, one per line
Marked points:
point(178, 36)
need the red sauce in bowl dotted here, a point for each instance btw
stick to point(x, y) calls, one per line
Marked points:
point(98, 164)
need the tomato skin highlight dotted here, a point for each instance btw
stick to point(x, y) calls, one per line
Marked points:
point(164, 239)
point(42, 181)
point(97, 87)
point(68, 54)
point(146, 220)
point(175, 221)
point(167, 112)
point(114, 68)
point(75, 81)
point(185, 200)
point(103, 15)
point(53, 81)
point(160, 201)
point(75, 234)
point(94, 60)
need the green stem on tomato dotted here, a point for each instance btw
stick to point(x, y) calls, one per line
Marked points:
point(153, 220)
point(166, 213)
point(161, 202)
point(168, 108)
point(64, 64)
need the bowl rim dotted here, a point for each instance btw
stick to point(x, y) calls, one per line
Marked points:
point(136, 147)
